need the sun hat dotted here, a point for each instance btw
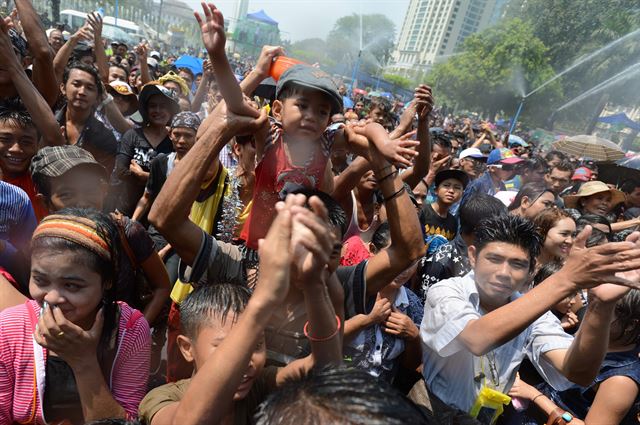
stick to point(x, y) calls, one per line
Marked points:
point(591, 188)
point(120, 88)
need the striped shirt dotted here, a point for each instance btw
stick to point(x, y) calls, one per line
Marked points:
point(453, 373)
point(17, 220)
point(22, 364)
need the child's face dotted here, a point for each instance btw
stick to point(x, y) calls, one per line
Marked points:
point(80, 187)
point(450, 191)
point(305, 115)
point(211, 336)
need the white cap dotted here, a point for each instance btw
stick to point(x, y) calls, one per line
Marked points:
point(152, 62)
point(155, 54)
point(471, 152)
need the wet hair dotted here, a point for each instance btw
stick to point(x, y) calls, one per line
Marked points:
point(625, 328)
point(597, 236)
point(212, 301)
point(107, 269)
point(532, 191)
point(551, 155)
point(509, 229)
point(337, 216)
point(588, 219)
point(630, 185)
point(89, 69)
point(477, 208)
point(547, 219)
point(340, 396)
point(535, 163)
point(564, 165)
point(381, 236)
point(546, 271)
point(14, 111)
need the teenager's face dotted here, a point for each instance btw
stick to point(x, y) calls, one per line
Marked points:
point(172, 85)
point(559, 238)
point(209, 339)
point(532, 209)
point(80, 187)
point(182, 139)
point(17, 146)
point(557, 180)
point(500, 270)
point(449, 191)
point(187, 78)
point(117, 73)
point(81, 90)
point(358, 108)
point(304, 116)
point(598, 203)
point(65, 280)
point(158, 110)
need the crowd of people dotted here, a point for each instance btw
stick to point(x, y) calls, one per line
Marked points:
point(186, 248)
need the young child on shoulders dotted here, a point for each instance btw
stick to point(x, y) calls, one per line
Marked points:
point(296, 150)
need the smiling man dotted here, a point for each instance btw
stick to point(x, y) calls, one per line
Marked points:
point(478, 328)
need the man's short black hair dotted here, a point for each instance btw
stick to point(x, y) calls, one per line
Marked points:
point(342, 396)
point(630, 185)
point(207, 302)
point(14, 111)
point(477, 208)
point(89, 69)
point(564, 165)
point(510, 229)
point(188, 71)
point(337, 216)
point(551, 155)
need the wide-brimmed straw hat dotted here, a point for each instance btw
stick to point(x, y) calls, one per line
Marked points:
point(591, 188)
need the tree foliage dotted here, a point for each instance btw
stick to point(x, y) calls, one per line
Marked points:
point(311, 50)
point(399, 80)
point(495, 69)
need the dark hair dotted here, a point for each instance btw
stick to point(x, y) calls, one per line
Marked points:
point(337, 216)
point(551, 155)
point(597, 236)
point(627, 319)
point(117, 65)
point(89, 69)
point(547, 219)
point(108, 270)
point(381, 236)
point(188, 71)
point(546, 271)
point(341, 396)
point(206, 302)
point(13, 109)
point(535, 163)
point(477, 208)
point(588, 219)
point(509, 229)
point(564, 165)
point(630, 185)
point(532, 191)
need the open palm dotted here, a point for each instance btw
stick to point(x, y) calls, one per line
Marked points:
point(212, 29)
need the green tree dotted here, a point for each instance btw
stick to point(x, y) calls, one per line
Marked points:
point(378, 35)
point(494, 70)
point(399, 80)
point(311, 50)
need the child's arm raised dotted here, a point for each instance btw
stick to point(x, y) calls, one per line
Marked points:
point(213, 37)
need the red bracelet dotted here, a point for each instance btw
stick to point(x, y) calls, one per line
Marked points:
point(314, 339)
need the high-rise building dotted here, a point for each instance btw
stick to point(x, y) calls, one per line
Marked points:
point(433, 29)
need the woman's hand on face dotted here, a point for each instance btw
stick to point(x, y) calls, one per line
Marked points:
point(69, 341)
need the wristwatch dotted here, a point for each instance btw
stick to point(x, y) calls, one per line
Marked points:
point(559, 417)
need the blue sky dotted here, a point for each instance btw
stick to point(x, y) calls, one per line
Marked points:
point(301, 19)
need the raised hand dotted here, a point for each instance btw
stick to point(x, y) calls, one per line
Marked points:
point(84, 33)
point(212, 29)
point(401, 151)
point(424, 101)
point(6, 47)
point(94, 20)
point(142, 51)
point(265, 59)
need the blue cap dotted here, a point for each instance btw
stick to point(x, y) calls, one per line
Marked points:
point(503, 156)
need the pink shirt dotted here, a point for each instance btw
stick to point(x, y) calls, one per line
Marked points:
point(22, 364)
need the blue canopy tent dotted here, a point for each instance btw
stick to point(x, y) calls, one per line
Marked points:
point(620, 118)
point(261, 16)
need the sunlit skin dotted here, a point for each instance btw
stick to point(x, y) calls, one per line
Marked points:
point(598, 203)
point(63, 279)
point(187, 78)
point(80, 90)
point(304, 116)
point(557, 180)
point(172, 85)
point(17, 146)
point(500, 270)
point(449, 191)
point(210, 336)
point(559, 239)
point(117, 74)
point(182, 139)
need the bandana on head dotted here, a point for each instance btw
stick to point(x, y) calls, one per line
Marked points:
point(79, 230)
point(186, 119)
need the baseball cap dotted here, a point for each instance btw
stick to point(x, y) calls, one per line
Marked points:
point(152, 89)
point(152, 62)
point(517, 141)
point(452, 174)
point(313, 78)
point(472, 153)
point(582, 174)
point(156, 55)
point(54, 161)
point(502, 156)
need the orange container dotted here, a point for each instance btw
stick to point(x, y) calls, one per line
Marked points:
point(280, 64)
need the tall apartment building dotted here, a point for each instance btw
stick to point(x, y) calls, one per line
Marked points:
point(435, 28)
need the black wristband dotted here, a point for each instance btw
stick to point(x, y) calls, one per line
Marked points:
point(394, 172)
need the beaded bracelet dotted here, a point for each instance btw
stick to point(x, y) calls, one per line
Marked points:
point(314, 339)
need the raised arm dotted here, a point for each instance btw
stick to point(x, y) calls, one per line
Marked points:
point(213, 37)
point(37, 107)
point(203, 88)
point(170, 211)
point(424, 105)
point(261, 70)
point(95, 22)
point(406, 235)
point(63, 55)
point(142, 51)
point(42, 53)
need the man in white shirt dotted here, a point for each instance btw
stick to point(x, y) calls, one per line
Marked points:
point(477, 329)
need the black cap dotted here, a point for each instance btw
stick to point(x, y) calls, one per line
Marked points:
point(452, 174)
point(313, 78)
